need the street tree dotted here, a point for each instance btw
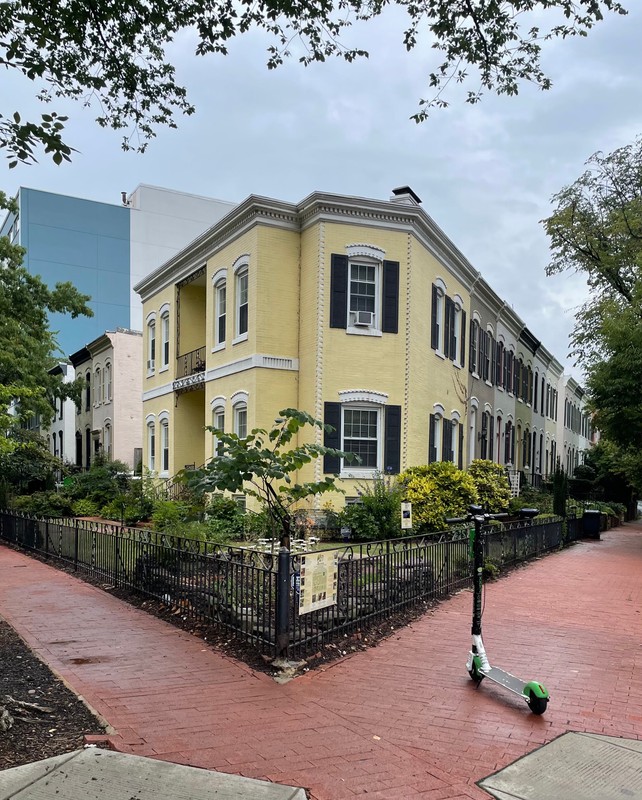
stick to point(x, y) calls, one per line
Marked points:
point(28, 345)
point(114, 55)
point(596, 230)
point(263, 465)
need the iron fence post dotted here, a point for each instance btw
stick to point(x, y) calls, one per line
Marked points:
point(283, 602)
point(76, 547)
point(47, 538)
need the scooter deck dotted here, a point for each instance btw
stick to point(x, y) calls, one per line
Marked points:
point(505, 679)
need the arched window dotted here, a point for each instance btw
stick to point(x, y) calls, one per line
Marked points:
point(107, 397)
point(242, 305)
point(60, 445)
point(164, 445)
point(240, 420)
point(151, 446)
point(165, 338)
point(151, 345)
point(98, 387)
point(220, 312)
point(107, 441)
point(88, 391)
point(78, 449)
point(218, 422)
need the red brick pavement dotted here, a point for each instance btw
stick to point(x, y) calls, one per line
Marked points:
point(399, 721)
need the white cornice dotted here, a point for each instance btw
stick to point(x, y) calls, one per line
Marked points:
point(363, 396)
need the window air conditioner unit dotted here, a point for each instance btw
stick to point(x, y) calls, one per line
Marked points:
point(150, 363)
point(363, 319)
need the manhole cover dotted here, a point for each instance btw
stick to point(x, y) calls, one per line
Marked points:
point(576, 766)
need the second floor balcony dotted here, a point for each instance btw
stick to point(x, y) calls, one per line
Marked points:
point(190, 370)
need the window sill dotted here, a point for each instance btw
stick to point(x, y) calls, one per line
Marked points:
point(239, 339)
point(151, 373)
point(218, 347)
point(519, 400)
point(439, 354)
point(163, 369)
point(164, 474)
point(357, 473)
point(475, 375)
point(488, 383)
point(357, 331)
point(501, 388)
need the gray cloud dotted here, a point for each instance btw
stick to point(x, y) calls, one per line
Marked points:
point(486, 173)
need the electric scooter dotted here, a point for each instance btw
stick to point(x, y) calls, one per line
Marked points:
point(477, 663)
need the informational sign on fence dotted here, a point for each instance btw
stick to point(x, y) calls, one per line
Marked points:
point(406, 516)
point(319, 573)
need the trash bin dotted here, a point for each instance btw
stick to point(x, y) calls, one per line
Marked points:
point(591, 523)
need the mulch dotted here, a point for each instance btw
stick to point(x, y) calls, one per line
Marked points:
point(48, 719)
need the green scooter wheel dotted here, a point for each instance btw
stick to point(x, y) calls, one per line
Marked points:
point(475, 676)
point(537, 704)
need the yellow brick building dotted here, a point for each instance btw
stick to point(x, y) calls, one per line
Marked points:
point(353, 310)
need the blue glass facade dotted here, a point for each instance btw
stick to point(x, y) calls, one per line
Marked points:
point(87, 243)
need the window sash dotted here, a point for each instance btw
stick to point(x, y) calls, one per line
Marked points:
point(240, 421)
point(361, 435)
point(151, 438)
point(165, 446)
point(221, 314)
point(165, 339)
point(242, 299)
point(363, 288)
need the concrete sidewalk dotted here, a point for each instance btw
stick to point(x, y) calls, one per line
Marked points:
point(402, 720)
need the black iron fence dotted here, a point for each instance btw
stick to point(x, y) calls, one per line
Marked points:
point(261, 597)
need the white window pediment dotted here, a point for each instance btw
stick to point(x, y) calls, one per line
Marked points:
point(438, 410)
point(363, 396)
point(240, 397)
point(363, 250)
point(455, 416)
point(219, 402)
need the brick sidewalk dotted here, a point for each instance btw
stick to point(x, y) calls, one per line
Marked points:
point(402, 720)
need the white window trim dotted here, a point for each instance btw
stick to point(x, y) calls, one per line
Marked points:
point(163, 425)
point(150, 427)
point(376, 328)
point(241, 269)
point(219, 281)
point(108, 393)
point(236, 408)
point(149, 326)
point(164, 318)
point(348, 471)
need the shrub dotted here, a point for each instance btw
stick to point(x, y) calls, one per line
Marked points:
point(224, 515)
point(491, 482)
point(437, 491)
point(169, 515)
point(85, 508)
point(101, 484)
point(560, 490)
point(361, 522)
point(44, 504)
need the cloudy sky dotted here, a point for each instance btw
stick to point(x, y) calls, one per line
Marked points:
point(485, 173)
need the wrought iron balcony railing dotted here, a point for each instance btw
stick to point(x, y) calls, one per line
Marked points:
point(191, 363)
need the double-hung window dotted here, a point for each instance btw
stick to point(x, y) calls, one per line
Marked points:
point(240, 420)
point(107, 397)
point(151, 345)
point(220, 301)
point(363, 291)
point(242, 278)
point(165, 445)
point(165, 339)
point(151, 446)
point(218, 422)
point(361, 436)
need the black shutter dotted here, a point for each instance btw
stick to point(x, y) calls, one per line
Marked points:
point(493, 361)
point(462, 349)
point(392, 449)
point(461, 446)
point(445, 439)
point(432, 453)
point(390, 297)
point(472, 355)
point(491, 436)
point(332, 416)
point(339, 291)
point(451, 345)
point(484, 435)
point(434, 322)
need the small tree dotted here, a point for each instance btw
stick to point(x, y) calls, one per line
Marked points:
point(491, 483)
point(261, 466)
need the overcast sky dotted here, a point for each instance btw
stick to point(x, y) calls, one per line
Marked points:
point(485, 173)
